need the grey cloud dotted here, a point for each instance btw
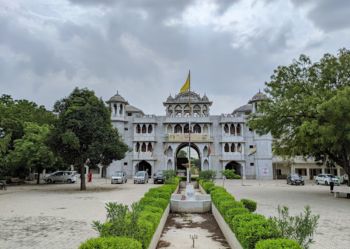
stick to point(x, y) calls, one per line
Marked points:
point(328, 15)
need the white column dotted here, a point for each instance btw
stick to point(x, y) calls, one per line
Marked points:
point(100, 166)
point(87, 169)
point(243, 170)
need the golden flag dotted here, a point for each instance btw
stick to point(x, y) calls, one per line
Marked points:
point(187, 85)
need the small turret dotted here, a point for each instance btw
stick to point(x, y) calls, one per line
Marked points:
point(257, 98)
point(117, 104)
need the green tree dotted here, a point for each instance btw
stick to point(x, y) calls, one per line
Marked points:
point(13, 116)
point(84, 133)
point(30, 152)
point(308, 109)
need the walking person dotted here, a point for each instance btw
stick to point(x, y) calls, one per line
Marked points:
point(331, 184)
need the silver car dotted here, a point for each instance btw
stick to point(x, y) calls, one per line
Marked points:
point(326, 179)
point(61, 176)
point(119, 177)
point(141, 177)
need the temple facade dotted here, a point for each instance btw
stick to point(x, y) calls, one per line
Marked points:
point(217, 142)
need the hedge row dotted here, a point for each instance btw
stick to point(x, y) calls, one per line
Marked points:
point(248, 227)
point(136, 226)
point(111, 243)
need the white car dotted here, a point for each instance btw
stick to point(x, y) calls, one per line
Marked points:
point(61, 176)
point(344, 179)
point(119, 177)
point(141, 177)
point(326, 179)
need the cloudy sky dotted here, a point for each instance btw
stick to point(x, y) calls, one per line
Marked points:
point(144, 48)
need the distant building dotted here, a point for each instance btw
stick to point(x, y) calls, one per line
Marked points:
point(220, 141)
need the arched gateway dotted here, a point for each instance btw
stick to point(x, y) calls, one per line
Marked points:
point(144, 166)
point(181, 157)
point(235, 166)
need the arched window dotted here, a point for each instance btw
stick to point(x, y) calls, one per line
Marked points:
point(232, 129)
point(205, 110)
point(121, 109)
point(149, 147)
point(239, 147)
point(205, 151)
point(238, 129)
point(150, 128)
point(226, 130)
point(144, 128)
point(227, 147)
point(169, 129)
point(178, 128)
point(197, 128)
point(138, 128)
point(178, 111)
point(233, 147)
point(137, 147)
point(186, 128)
point(205, 129)
point(115, 109)
point(143, 147)
point(196, 111)
point(170, 152)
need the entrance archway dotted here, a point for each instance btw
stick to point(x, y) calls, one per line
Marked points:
point(144, 166)
point(235, 166)
point(181, 158)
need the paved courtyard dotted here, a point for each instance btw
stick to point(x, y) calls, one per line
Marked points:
point(58, 216)
point(334, 224)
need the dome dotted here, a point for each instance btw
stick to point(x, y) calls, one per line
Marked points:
point(258, 97)
point(244, 108)
point(117, 98)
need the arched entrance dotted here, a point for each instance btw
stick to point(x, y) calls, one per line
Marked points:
point(235, 166)
point(144, 166)
point(181, 159)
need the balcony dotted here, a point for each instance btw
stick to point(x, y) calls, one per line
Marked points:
point(235, 156)
point(144, 137)
point(184, 120)
point(184, 137)
point(232, 139)
point(143, 156)
point(232, 119)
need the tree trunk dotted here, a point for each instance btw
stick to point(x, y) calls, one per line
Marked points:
point(82, 178)
point(38, 178)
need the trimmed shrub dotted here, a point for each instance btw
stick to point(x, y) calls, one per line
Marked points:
point(277, 244)
point(249, 204)
point(154, 218)
point(153, 209)
point(207, 174)
point(251, 229)
point(224, 206)
point(145, 231)
point(156, 202)
point(111, 243)
point(244, 218)
point(230, 174)
point(207, 186)
point(232, 212)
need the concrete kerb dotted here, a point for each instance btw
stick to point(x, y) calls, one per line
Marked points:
point(226, 230)
point(158, 233)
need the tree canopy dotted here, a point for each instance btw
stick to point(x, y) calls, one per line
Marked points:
point(14, 115)
point(84, 133)
point(307, 111)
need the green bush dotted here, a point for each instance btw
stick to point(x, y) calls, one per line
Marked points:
point(144, 232)
point(111, 243)
point(153, 209)
point(300, 228)
point(207, 174)
point(156, 202)
point(232, 212)
point(230, 174)
point(227, 204)
point(244, 218)
point(154, 218)
point(277, 244)
point(250, 232)
point(207, 186)
point(249, 204)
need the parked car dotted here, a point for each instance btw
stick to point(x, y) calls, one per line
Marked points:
point(141, 177)
point(326, 179)
point(295, 179)
point(119, 177)
point(158, 177)
point(61, 176)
